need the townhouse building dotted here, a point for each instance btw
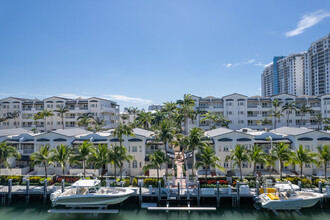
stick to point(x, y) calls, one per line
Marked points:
point(102, 108)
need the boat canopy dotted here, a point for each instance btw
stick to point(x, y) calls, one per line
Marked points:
point(86, 183)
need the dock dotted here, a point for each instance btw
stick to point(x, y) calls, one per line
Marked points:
point(182, 209)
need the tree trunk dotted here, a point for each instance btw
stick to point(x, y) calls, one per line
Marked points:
point(254, 168)
point(185, 125)
point(240, 171)
point(325, 170)
point(301, 170)
point(157, 175)
point(287, 123)
point(121, 172)
point(63, 172)
point(115, 172)
point(84, 169)
point(62, 122)
point(275, 123)
point(280, 170)
point(45, 170)
point(301, 120)
point(166, 170)
point(206, 169)
point(193, 163)
point(45, 124)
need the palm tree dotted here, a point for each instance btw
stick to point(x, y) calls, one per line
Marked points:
point(264, 122)
point(62, 110)
point(82, 155)
point(270, 162)
point(256, 155)
point(283, 153)
point(124, 117)
point(157, 118)
point(155, 161)
point(209, 117)
point(239, 154)
point(44, 114)
point(323, 156)
point(97, 125)
point(61, 154)
point(85, 119)
point(6, 152)
point(288, 107)
point(122, 130)
point(319, 120)
point(276, 114)
point(99, 157)
point(194, 141)
point(165, 134)
point(208, 159)
point(121, 156)
point(170, 109)
point(144, 119)
point(14, 115)
point(301, 157)
point(133, 111)
point(36, 117)
point(276, 103)
point(112, 158)
point(42, 157)
point(303, 109)
point(186, 110)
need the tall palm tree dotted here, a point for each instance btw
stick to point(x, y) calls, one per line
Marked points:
point(157, 117)
point(302, 156)
point(144, 119)
point(124, 117)
point(62, 110)
point(165, 134)
point(323, 156)
point(44, 114)
point(282, 153)
point(42, 157)
point(82, 155)
point(14, 116)
point(186, 110)
point(319, 120)
point(112, 158)
point(155, 161)
point(85, 119)
point(303, 109)
point(123, 130)
point(270, 162)
point(121, 156)
point(61, 154)
point(37, 117)
point(209, 117)
point(208, 159)
point(194, 141)
point(170, 108)
point(256, 155)
point(99, 157)
point(289, 107)
point(239, 154)
point(277, 103)
point(276, 114)
point(6, 152)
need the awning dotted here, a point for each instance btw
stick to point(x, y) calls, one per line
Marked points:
point(42, 140)
point(225, 139)
point(324, 139)
point(134, 140)
point(100, 141)
point(305, 139)
point(243, 139)
point(25, 158)
point(114, 140)
point(287, 141)
point(79, 141)
point(59, 140)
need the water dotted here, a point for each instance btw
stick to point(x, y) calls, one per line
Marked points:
point(35, 210)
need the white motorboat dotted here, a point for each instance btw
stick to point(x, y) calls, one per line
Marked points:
point(89, 193)
point(289, 199)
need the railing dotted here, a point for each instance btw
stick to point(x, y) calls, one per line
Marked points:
point(68, 117)
point(28, 151)
point(252, 106)
point(70, 126)
point(252, 115)
point(83, 108)
point(27, 126)
point(26, 109)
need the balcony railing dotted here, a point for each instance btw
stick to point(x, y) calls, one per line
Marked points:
point(26, 109)
point(252, 106)
point(28, 151)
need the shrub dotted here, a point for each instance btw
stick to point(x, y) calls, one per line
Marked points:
point(153, 182)
point(135, 182)
point(126, 182)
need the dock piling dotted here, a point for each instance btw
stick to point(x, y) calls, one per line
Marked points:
point(299, 184)
point(257, 188)
point(27, 191)
point(62, 184)
point(198, 194)
point(238, 193)
point(218, 194)
point(45, 191)
point(320, 191)
point(159, 190)
point(178, 190)
point(140, 192)
point(10, 186)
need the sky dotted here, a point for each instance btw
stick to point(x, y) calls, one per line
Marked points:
point(145, 52)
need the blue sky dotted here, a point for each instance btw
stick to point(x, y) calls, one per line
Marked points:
point(146, 52)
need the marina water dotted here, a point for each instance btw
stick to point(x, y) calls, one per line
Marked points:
point(35, 210)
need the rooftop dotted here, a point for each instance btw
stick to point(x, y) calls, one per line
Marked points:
point(13, 131)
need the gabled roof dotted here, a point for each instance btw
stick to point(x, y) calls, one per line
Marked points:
point(234, 94)
point(57, 97)
point(20, 99)
point(217, 132)
point(292, 130)
point(71, 132)
point(143, 132)
point(13, 131)
point(107, 100)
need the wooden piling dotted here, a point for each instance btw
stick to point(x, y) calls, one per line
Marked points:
point(63, 185)
point(218, 194)
point(198, 194)
point(45, 190)
point(10, 187)
point(27, 191)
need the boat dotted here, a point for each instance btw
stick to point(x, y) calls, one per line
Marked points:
point(89, 193)
point(288, 199)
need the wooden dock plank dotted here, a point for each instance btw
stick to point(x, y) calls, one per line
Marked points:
point(182, 208)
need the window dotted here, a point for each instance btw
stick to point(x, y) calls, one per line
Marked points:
point(225, 165)
point(225, 148)
point(134, 165)
point(245, 165)
point(140, 164)
point(134, 148)
point(307, 147)
point(307, 165)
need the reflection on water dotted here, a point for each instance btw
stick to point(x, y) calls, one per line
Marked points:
point(35, 210)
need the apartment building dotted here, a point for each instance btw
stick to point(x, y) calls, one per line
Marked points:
point(317, 67)
point(305, 73)
point(98, 107)
point(284, 75)
point(245, 112)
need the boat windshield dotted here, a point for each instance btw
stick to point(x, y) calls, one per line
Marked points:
point(94, 189)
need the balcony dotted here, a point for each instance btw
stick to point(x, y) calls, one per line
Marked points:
point(27, 151)
point(266, 106)
point(70, 117)
point(26, 109)
point(252, 115)
point(252, 106)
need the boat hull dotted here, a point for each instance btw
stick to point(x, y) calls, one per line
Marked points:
point(90, 200)
point(291, 204)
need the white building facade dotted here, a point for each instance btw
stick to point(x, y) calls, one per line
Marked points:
point(98, 107)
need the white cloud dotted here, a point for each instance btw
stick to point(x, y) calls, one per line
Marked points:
point(228, 65)
point(124, 98)
point(250, 61)
point(307, 21)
